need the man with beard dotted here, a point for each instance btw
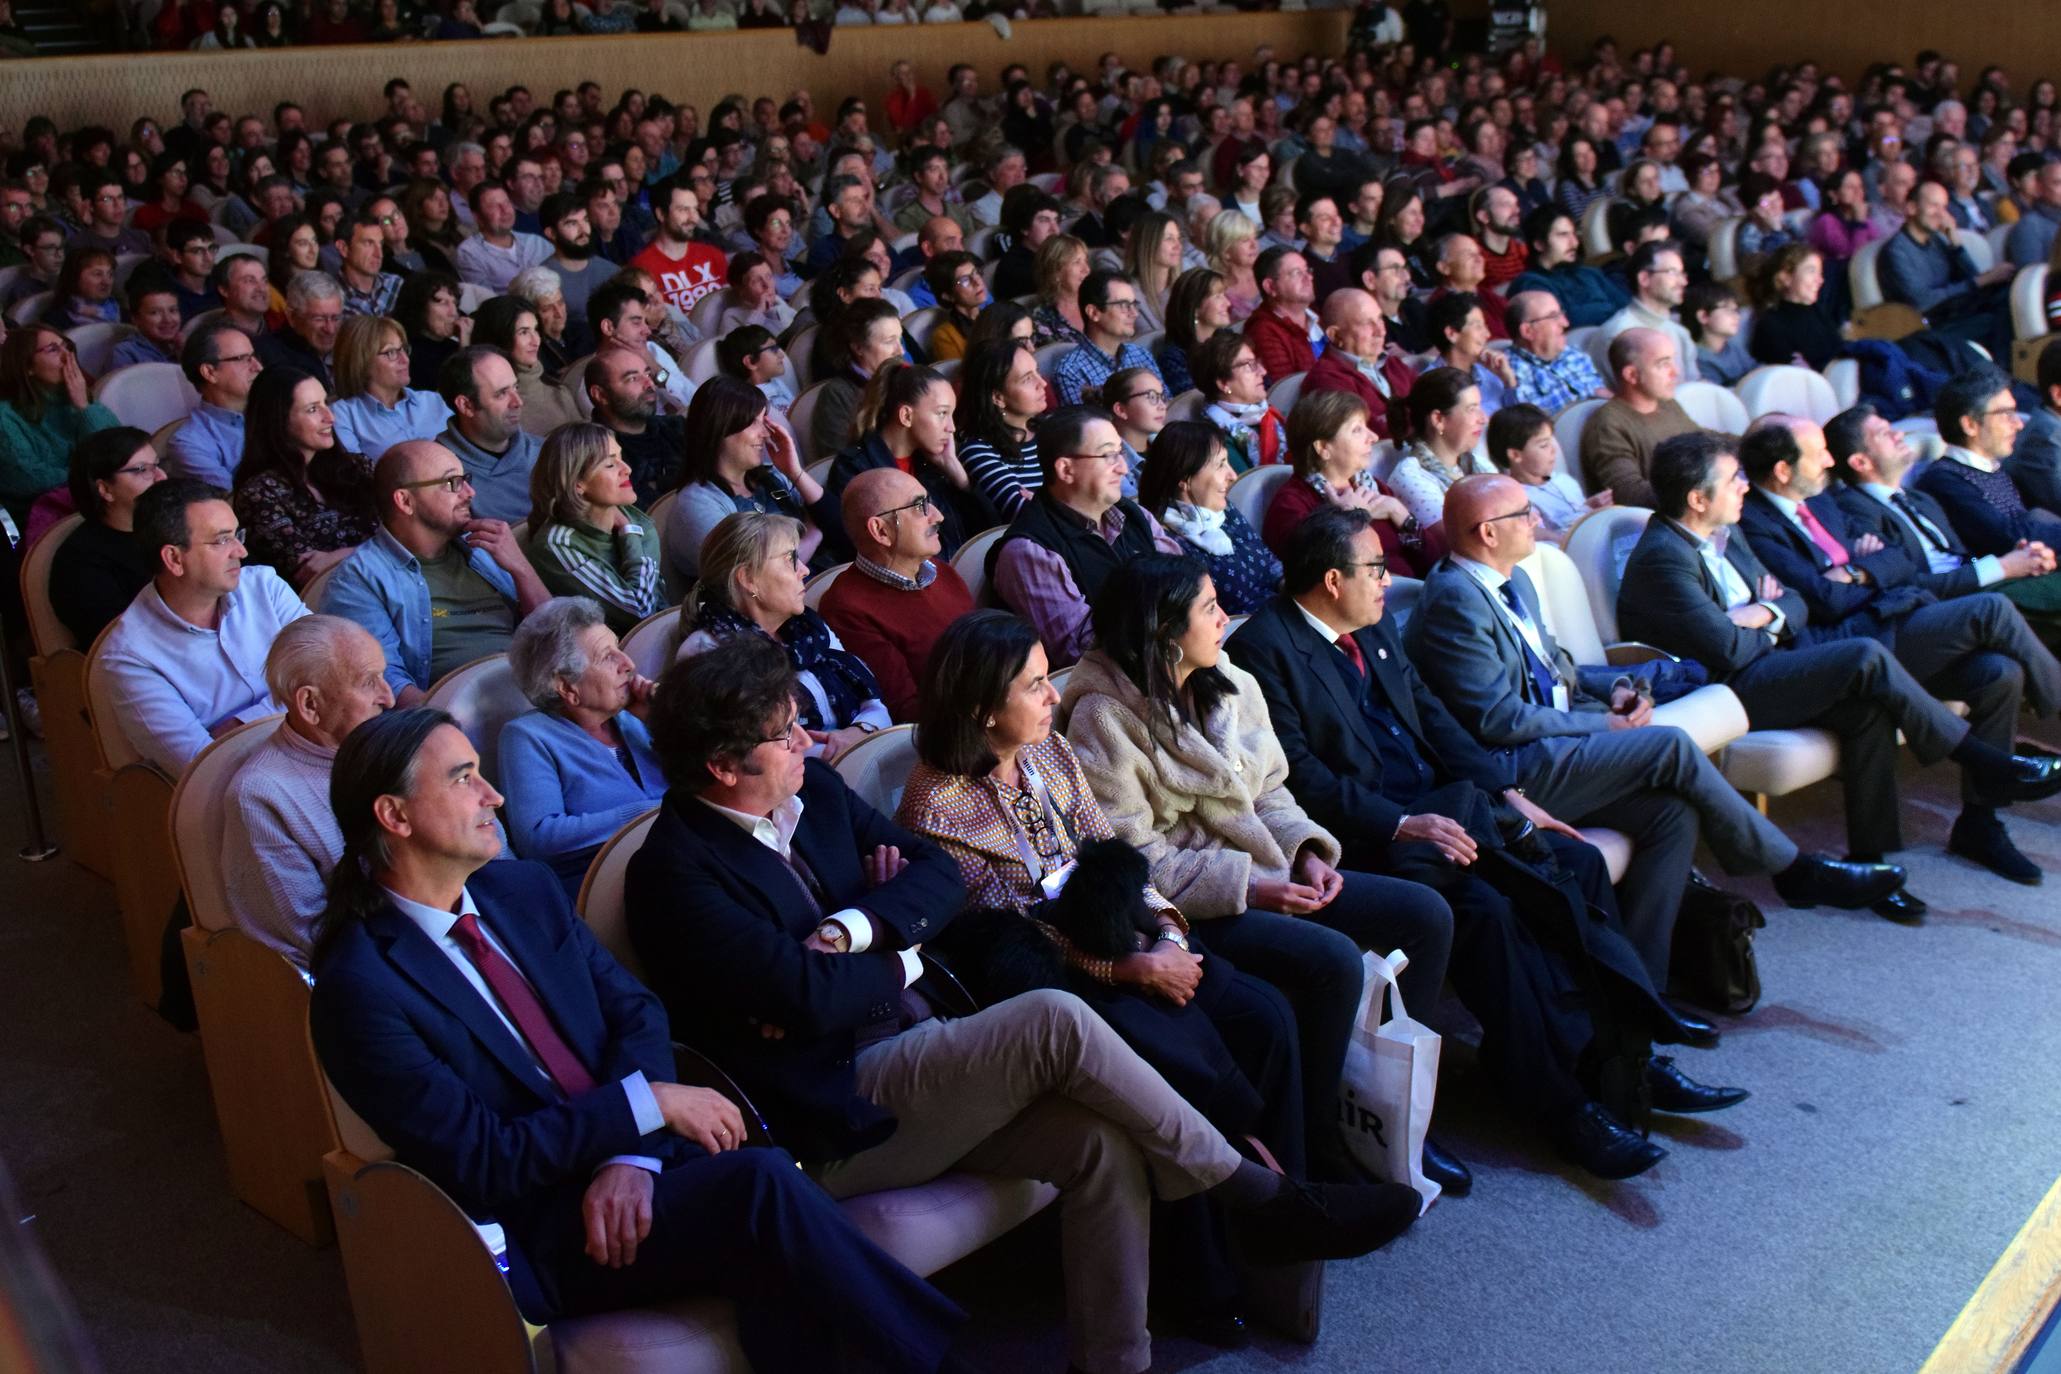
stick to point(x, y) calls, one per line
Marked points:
point(571, 233)
point(625, 395)
point(685, 269)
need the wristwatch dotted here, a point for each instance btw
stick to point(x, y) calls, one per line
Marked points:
point(834, 933)
point(1172, 937)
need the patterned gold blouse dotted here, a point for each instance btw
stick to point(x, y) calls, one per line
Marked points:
point(979, 822)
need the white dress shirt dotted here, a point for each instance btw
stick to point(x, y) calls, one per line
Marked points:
point(1989, 569)
point(1493, 580)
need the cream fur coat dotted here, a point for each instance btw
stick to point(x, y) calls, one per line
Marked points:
point(1210, 813)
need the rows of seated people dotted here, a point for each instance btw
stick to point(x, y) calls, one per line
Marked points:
point(1320, 782)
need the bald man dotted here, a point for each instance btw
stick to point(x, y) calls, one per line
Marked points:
point(1582, 741)
point(894, 601)
point(279, 836)
point(1357, 358)
point(1618, 440)
point(1977, 649)
point(437, 587)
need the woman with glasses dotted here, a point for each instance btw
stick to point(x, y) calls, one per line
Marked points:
point(586, 536)
point(737, 459)
point(752, 575)
point(1000, 790)
point(374, 407)
point(1177, 744)
point(98, 569)
point(1000, 395)
point(1136, 399)
point(1187, 487)
point(509, 323)
point(304, 499)
point(45, 411)
point(1232, 382)
point(580, 766)
point(1330, 445)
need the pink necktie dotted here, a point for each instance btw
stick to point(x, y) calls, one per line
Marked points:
point(524, 1009)
point(1834, 551)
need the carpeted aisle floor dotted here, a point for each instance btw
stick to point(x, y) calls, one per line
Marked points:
point(1902, 1127)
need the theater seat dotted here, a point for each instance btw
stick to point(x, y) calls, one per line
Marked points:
point(147, 395)
point(1711, 406)
point(1787, 389)
point(57, 670)
point(139, 812)
point(652, 641)
point(877, 767)
point(971, 563)
point(1252, 492)
point(483, 696)
point(819, 585)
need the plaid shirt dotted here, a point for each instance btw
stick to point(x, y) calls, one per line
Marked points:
point(378, 301)
point(1089, 367)
point(1556, 385)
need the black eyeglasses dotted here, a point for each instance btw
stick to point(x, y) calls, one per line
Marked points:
point(1379, 567)
point(1528, 513)
point(921, 505)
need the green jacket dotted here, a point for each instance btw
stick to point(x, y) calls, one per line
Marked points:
point(34, 457)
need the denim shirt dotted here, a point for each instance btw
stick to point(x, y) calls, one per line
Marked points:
point(208, 446)
point(381, 587)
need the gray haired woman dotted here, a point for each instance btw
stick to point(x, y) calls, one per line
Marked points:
point(579, 767)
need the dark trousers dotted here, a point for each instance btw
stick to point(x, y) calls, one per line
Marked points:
point(749, 1226)
point(1979, 649)
point(1859, 691)
point(1315, 960)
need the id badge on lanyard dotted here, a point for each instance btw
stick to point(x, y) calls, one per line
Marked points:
point(1054, 882)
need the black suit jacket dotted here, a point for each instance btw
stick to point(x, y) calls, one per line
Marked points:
point(1838, 610)
point(1334, 763)
point(719, 923)
point(423, 1058)
point(1669, 599)
point(1865, 515)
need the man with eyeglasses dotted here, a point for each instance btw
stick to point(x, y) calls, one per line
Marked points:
point(1978, 416)
point(221, 362)
point(437, 586)
point(620, 383)
point(1549, 374)
point(17, 207)
point(1284, 332)
point(1077, 530)
point(314, 316)
point(189, 261)
point(1383, 272)
point(955, 281)
point(186, 661)
point(1109, 310)
point(1658, 281)
point(1375, 758)
point(1585, 741)
point(368, 289)
point(899, 595)
point(42, 240)
point(107, 206)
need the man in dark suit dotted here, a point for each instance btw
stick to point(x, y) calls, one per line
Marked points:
point(464, 1011)
point(1874, 460)
point(779, 916)
point(1977, 649)
point(1580, 740)
point(1685, 593)
point(1376, 760)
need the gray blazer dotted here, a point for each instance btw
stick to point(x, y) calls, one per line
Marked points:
point(1462, 641)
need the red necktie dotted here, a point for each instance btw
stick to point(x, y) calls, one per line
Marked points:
point(1350, 647)
point(1834, 551)
point(524, 1009)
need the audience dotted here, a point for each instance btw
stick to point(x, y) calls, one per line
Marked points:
point(306, 340)
point(510, 324)
point(739, 458)
point(101, 565)
point(1586, 296)
point(1658, 279)
point(1109, 311)
point(372, 406)
point(1448, 419)
point(186, 661)
point(623, 390)
point(1196, 309)
point(1520, 444)
point(277, 825)
point(864, 338)
point(1978, 418)
point(479, 388)
point(586, 535)
point(1618, 440)
point(44, 413)
point(305, 499)
point(222, 363)
point(436, 586)
point(580, 766)
point(1234, 394)
point(1460, 339)
point(1284, 332)
point(1187, 488)
point(2035, 458)
point(904, 421)
point(1000, 397)
point(1358, 360)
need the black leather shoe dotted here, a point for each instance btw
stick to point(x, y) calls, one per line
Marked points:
point(1815, 878)
point(1986, 842)
point(1675, 1091)
point(2025, 778)
point(1681, 1028)
point(1446, 1170)
point(1901, 907)
point(1600, 1143)
point(1221, 1326)
point(1326, 1221)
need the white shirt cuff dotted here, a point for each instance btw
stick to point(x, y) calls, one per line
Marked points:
point(858, 925)
point(1774, 627)
point(645, 1162)
point(1989, 570)
point(912, 966)
point(643, 1104)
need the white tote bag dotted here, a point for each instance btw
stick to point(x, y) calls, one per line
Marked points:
point(1391, 1077)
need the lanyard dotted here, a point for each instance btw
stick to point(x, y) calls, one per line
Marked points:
point(1035, 785)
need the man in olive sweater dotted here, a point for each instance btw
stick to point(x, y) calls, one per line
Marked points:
point(890, 606)
point(1618, 440)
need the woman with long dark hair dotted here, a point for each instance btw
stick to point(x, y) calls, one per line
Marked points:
point(509, 323)
point(737, 459)
point(304, 501)
point(427, 311)
point(1178, 746)
point(904, 420)
point(45, 409)
point(1000, 394)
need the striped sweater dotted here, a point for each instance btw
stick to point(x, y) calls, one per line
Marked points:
point(621, 569)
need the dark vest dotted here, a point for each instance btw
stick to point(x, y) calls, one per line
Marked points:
point(1087, 555)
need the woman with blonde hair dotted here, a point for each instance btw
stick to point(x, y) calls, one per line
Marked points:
point(586, 535)
point(751, 583)
point(1152, 260)
point(374, 408)
point(1062, 265)
point(1233, 247)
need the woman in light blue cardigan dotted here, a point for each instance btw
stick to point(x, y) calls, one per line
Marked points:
point(579, 767)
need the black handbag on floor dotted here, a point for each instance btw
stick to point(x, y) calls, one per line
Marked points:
point(1711, 962)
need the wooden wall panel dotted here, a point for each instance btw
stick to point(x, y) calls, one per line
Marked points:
point(1746, 37)
point(699, 68)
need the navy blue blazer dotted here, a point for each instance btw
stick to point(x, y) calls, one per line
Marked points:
point(718, 922)
point(1863, 514)
point(1838, 610)
point(424, 1059)
point(1334, 762)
